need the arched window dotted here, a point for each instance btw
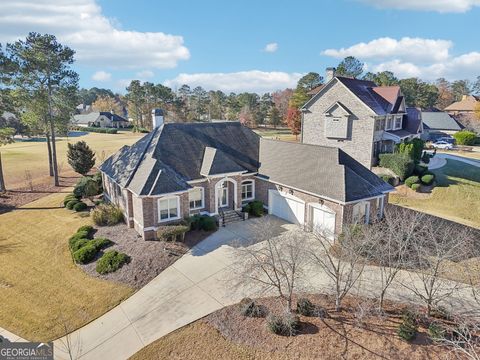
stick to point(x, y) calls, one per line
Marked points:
point(248, 190)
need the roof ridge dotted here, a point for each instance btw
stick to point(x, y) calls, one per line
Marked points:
point(300, 143)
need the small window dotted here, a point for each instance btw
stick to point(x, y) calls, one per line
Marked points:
point(196, 198)
point(389, 124)
point(247, 190)
point(398, 122)
point(336, 119)
point(168, 209)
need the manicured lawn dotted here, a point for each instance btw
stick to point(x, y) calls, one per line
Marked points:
point(277, 134)
point(456, 197)
point(32, 156)
point(42, 292)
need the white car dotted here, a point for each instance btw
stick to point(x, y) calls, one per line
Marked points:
point(442, 145)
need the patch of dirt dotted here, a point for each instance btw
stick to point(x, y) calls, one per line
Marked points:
point(343, 334)
point(13, 199)
point(147, 258)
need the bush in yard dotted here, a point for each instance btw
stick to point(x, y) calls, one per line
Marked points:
point(87, 187)
point(254, 208)
point(101, 243)
point(80, 157)
point(420, 170)
point(69, 198)
point(412, 180)
point(71, 204)
point(305, 307)
point(88, 228)
point(286, 325)
point(400, 164)
point(436, 331)
point(250, 309)
point(111, 261)
point(81, 234)
point(172, 232)
point(416, 187)
point(428, 179)
point(465, 137)
point(408, 328)
point(202, 222)
point(80, 206)
point(107, 215)
point(78, 243)
point(85, 254)
point(426, 157)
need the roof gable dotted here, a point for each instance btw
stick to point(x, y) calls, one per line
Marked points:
point(338, 106)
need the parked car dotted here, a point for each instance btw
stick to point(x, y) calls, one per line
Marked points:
point(442, 145)
point(448, 139)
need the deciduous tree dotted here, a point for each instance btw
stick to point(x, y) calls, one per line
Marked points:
point(107, 103)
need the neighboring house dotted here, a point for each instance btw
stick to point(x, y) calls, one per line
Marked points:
point(437, 124)
point(466, 106)
point(359, 117)
point(83, 108)
point(100, 119)
point(179, 170)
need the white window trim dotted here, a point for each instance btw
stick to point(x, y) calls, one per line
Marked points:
point(253, 189)
point(203, 198)
point(395, 122)
point(391, 118)
point(177, 198)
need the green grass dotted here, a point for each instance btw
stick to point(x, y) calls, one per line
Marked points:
point(32, 155)
point(456, 196)
point(42, 292)
point(278, 134)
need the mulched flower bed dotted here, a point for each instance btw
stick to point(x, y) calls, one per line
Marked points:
point(147, 258)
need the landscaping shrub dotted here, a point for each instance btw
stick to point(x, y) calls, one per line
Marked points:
point(87, 187)
point(420, 170)
point(286, 325)
point(400, 164)
point(107, 215)
point(202, 222)
point(85, 254)
point(415, 187)
point(426, 157)
point(305, 307)
point(428, 179)
point(436, 331)
point(81, 234)
point(111, 261)
point(78, 243)
point(80, 206)
point(88, 228)
point(465, 137)
point(80, 157)
point(71, 204)
point(412, 180)
point(250, 309)
point(171, 232)
point(101, 243)
point(254, 208)
point(69, 198)
point(408, 328)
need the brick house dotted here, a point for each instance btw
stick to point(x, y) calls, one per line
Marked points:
point(359, 117)
point(179, 170)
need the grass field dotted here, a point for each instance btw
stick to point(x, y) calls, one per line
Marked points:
point(43, 293)
point(32, 156)
point(277, 134)
point(456, 196)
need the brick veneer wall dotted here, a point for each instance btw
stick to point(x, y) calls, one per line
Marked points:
point(359, 143)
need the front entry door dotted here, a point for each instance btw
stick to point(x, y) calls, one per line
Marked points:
point(223, 196)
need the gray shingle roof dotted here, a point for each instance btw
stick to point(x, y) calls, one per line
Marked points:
point(440, 121)
point(320, 170)
point(164, 160)
point(93, 116)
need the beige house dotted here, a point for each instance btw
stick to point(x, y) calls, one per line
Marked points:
point(466, 106)
point(179, 170)
point(359, 117)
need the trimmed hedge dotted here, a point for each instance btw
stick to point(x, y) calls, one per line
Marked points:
point(85, 254)
point(77, 244)
point(98, 130)
point(80, 206)
point(465, 137)
point(412, 180)
point(68, 198)
point(254, 208)
point(415, 187)
point(80, 235)
point(107, 215)
point(202, 222)
point(111, 261)
point(71, 204)
point(88, 228)
point(400, 164)
point(172, 232)
point(428, 179)
point(101, 243)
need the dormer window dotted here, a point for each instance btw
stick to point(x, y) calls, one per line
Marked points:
point(389, 123)
point(398, 122)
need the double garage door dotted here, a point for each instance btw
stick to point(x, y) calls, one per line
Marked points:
point(292, 209)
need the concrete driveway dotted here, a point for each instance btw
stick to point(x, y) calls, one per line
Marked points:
point(440, 160)
point(194, 286)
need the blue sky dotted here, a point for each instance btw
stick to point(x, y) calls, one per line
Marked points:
point(222, 44)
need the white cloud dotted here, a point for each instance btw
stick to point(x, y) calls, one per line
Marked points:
point(253, 80)
point(98, 41)
point(101, 76)
point(145, 74)
point(441, 6)
point(271, 48)
point(413, 57)
point(412, 49)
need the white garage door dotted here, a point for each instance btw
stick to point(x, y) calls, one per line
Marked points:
point(287, 207)
point(323, 221)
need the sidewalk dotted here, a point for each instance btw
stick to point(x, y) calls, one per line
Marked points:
point(10, 336)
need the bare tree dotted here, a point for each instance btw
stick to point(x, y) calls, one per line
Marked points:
point(462, 338)
point(343, 262)
point(437, 245)
point(274, 260)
